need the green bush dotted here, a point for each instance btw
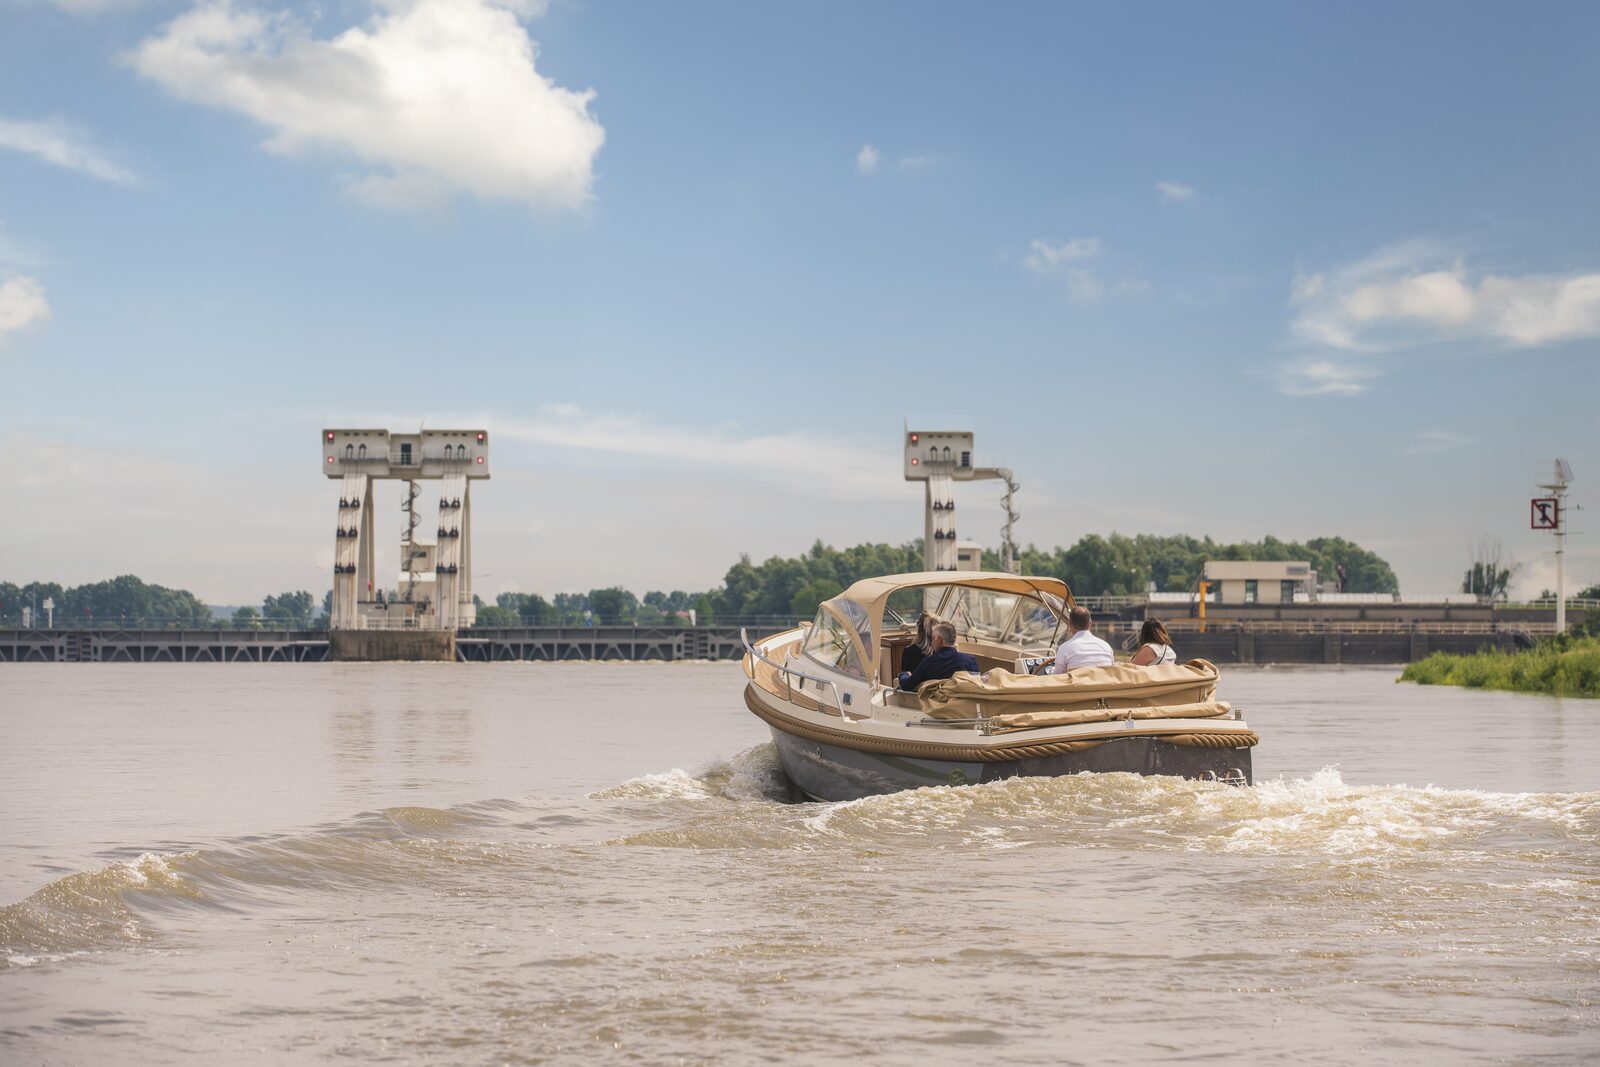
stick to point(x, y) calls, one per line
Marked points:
point(1561, 667)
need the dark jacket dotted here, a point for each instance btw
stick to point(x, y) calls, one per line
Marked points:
point(940, 664)
point(911, 657)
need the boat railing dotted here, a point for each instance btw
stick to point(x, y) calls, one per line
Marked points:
point(784, 671)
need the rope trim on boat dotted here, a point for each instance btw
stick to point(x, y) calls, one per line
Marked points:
point(1239, 740)
point(974, 753)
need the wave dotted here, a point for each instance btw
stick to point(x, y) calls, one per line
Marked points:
point(1317, 816)
point(734, 804)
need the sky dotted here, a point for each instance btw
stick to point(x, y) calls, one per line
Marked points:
point(1234, 269)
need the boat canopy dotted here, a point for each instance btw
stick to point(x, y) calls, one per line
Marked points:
point(857, 613)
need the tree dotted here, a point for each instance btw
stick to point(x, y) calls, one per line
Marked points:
point(613, 606)
point(1488, 577)
point(804, 603)
point(292, 609)
point(246, 618)
point(496, 616)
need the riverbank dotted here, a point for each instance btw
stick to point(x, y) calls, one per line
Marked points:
point(1569, 667)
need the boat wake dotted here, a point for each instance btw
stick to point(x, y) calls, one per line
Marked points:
point(736, 804)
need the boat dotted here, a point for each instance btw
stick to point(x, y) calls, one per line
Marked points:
point(843, 730)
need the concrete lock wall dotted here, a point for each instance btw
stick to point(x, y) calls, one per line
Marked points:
point(371, 645)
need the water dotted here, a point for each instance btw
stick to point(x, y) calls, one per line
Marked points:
point(534, 863)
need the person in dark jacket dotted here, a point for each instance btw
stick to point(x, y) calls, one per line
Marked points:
point(943, 661)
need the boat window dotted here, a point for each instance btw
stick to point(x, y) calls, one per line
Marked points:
point(978, 614)
point(1034, 622)
point(1001, 618)
point(829, 643)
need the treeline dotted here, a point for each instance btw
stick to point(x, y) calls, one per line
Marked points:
point(124, 600)
point(1114, 565)
point(788, 587)
point(1121, 566)
point(131, 601)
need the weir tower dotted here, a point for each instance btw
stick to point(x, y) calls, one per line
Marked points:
point(939, 459)
point(433, 597)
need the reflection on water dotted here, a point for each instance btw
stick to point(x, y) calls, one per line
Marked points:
point(612, 905)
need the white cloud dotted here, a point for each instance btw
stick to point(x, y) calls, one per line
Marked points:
point(1424, 441)
point(1175, 192)
point(436, 95)
point(916, 162)
point(1414, 294)
point(851, 471)
point(1084, 283)
point(1324, 378)
point(1084, 286)
point(867, 159)
point(58, 143)
point(1047, 255)
point(22, 304)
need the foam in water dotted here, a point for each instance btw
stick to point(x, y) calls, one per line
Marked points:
point(752, 775)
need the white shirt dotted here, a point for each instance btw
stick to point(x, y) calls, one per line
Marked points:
point(1083, 649)
point(1163, 654)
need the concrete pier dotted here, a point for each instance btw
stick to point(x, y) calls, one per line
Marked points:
point(385, 645)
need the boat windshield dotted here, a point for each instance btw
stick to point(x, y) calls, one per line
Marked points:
point(829, 640)
point(1000, 618)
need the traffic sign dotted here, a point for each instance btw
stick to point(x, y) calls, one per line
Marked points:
point(1546, 513)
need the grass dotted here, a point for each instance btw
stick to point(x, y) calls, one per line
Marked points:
point(1560, 667)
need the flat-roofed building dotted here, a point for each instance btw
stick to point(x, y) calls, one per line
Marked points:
point(1259, 581)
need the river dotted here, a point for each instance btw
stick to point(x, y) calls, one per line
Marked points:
point(560, 863)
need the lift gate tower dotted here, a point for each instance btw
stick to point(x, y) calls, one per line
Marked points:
point(435, 591)
point(939, 459)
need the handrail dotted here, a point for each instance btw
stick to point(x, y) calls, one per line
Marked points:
point(784, 671)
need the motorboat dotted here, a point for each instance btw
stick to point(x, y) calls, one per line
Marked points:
point(844, 730)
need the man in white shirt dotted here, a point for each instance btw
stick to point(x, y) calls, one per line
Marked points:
point(1081, 648)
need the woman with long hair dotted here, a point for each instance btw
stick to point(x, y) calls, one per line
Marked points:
point(919, 648)
point(1155, 645)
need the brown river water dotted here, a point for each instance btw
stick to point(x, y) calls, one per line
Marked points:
point(591, 863)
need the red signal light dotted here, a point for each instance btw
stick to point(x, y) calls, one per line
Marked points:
point(914, 438)
point(480, 459)
point(480, 437)
point(915, 461)
point(330, 435)
point(330, 459)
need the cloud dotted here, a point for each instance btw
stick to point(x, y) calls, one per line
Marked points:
point(1046, 255)
point(1413, 294)
point(1084, 283)
point(1084, 286)
point(841, 470)
point(22, 304)
point(436, 96)
point(1175, 192)
point(1425, 441)
point(58, 143)
point(1324, 378)
point(867, 159)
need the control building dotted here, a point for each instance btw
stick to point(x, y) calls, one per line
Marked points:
point(939, 459)
point(435, 590)
point(1260, 581)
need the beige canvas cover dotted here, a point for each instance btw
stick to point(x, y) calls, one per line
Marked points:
point(1122, 685)
point(873, 593)
point(1033, 720)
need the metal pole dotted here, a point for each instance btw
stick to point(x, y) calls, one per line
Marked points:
point(1557, 488)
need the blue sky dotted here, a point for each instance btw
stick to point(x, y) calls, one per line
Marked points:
point(1232, 269)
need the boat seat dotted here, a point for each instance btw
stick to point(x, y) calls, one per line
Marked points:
point(1117, 686)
